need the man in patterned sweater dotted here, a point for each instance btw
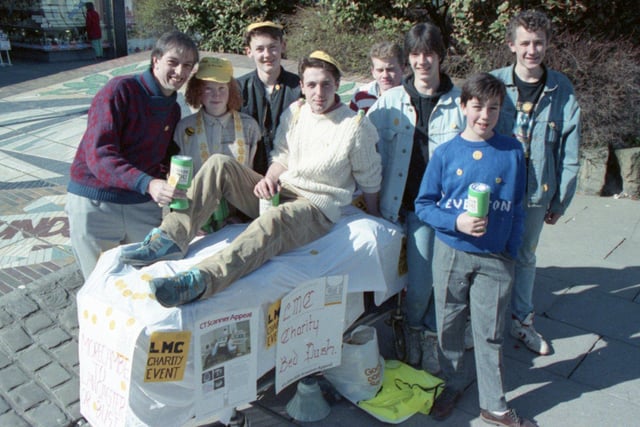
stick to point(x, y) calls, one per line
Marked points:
point(118, 185)
point(322, 151)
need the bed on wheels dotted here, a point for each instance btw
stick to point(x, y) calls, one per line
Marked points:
point(142, 364)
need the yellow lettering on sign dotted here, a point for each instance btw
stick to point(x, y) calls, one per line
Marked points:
point(167, 356)
point(272, 323)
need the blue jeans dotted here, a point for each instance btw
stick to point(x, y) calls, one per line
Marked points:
point(525, 272)
point(419, 298)
point(479, 285)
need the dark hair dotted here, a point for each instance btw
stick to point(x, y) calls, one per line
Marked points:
point(482, 86)
point(174, 39)
point(387, 50)
point(274, 33)
point(307, 62)
point(195, 87)
point(89, 6)
point(425, 37)
point(530, 20)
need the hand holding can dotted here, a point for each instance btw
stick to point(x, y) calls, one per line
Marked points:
point(478, 200)
point(180, 176)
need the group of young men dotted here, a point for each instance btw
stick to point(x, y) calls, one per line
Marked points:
point(413, 155)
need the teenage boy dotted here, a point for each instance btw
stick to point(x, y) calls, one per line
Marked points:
point(118, 176)
point(386, 68)
point(322, 151)
point(474, 256)
point(542, 112)
point(412, 119)
point(269, 89)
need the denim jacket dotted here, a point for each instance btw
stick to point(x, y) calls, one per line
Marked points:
point(555, 137)
point(395, 118)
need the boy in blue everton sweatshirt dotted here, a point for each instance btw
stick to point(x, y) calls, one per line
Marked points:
point(474, 257)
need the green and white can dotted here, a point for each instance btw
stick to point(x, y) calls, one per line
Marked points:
point(180, 176)
point(478, 199)
point(266, 204)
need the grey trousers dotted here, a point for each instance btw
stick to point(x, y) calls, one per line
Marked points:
point(478, 285)
point(295, 222)
point(96, 227)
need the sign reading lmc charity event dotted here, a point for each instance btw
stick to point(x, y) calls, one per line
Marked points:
point(310, 329)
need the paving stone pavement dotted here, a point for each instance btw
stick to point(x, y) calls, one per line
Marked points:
point(39, 352)
point(587, 289)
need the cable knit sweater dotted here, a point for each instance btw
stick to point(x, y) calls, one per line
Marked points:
point(326, 155)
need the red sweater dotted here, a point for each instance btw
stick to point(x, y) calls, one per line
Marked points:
point(92, 22)
point(129, 128)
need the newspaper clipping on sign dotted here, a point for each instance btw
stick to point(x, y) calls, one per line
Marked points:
point(311, 322)
point(227, 359)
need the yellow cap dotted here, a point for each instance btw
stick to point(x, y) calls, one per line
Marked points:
point(324, 56)
point(271, 24)
point(214, 69)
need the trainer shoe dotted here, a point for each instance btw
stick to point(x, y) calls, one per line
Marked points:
point(430, 362)
point(525, 332)
point(179, 289)
point(445, 403)
point(414, 346)
point(510, 419)
point(157, 246)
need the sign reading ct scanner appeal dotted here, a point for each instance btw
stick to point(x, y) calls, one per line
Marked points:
point(167, 356)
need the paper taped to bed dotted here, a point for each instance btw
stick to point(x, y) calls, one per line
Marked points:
point(142, 364)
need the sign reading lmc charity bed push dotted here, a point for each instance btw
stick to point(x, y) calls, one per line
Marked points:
point(311, 322)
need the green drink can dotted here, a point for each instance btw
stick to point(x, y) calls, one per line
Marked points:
point(266, 204)
point(180, 176)
point(478, 200)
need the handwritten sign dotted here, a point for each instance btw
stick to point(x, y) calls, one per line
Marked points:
point(105, 350)
point(167, 356)
point(310, 329)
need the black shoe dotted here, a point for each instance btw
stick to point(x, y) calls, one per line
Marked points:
point(445, 403)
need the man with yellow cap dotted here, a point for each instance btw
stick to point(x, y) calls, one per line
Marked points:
point(269, 89)
point(322, 150)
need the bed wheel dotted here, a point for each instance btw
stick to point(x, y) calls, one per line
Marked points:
point(396, 321)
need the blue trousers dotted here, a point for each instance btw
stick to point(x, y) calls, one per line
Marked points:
point(419, 303)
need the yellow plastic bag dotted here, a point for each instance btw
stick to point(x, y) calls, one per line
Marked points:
point(405, 391)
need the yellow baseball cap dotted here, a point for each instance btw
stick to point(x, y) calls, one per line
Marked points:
point(214, 69)
point(255, 25)
point(324, 56)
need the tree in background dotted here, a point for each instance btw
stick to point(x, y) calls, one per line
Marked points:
point(596, 43)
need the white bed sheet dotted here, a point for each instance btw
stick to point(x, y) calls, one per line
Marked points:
point(366, 249)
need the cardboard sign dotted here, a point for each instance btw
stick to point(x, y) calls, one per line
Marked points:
point(310, 329)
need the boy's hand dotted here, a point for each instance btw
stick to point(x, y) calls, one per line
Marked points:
point(470, 225)
point(552, 217)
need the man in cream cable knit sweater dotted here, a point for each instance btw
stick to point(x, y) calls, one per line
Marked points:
point(322, 150)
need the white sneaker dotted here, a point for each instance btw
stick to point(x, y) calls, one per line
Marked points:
point(430, 362)
point(525, 332)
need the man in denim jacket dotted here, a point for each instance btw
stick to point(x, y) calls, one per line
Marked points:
point(542, 112)
point(412, 119)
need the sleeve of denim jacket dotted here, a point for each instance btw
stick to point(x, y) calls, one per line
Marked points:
point(568, 161)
